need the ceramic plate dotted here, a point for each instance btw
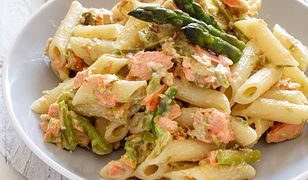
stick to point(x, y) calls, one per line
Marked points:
point(26, 73)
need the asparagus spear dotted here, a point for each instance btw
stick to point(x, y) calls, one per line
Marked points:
point(234, 157)
point(99, 145)
point(162, 15)
point(196, 11)
point(196, 34)
point(70, 138)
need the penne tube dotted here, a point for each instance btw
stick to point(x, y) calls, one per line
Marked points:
point(115, 132)
point(120, 11)
point(297, 49)
point(57, 50)
point(258, 32)
point(261, 125)
point(101, 125)
point(298, 76)
point(296, 97)
point(208, 172)
point(90, 49)
point(108, 64)
point(243, 133)
point(201, 97)
point(129, 38)
point(191, 150)
point(186, 118)
point(86, 93)
point(274, 110)
point(50, 96)
point(243, 69)
point(123, 89)
point(257, 84)
point(107, 32)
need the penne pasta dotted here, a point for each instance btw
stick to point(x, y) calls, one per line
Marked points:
point(101, 125)
point(296, 97)
point(121, 10)
point(130, 88)
point(50, 96)
point(208, 172)
point(274, 110)
point(191, 150)
point(115, 132)
point(261, 125)
point(243, 133)
point(90, 49)
point(107, 32)
point(257, 30)
point(129, 38)
point(296, 48)
point(57, 50)
point(257, 84)
point(151, 78)
point(297, 76)
point(108, 64)
point(243, 69)
point(201, 97)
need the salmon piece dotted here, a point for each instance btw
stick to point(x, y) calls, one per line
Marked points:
point(101, 84)
point(115, 170)
point(237, 4)
point(80, 78)
point(207, 70)
point(212, 158)
point(211, 125)
point(53, 110)
point(281, 132)
point(224, 60)
point(83, 139)
point(74, 62)
point(152, 100)
point(106, 99)
point(220, 126)
point(142, 63)
point(287, 84)
point(44, 126)
point(167, 124)
point(174, 112)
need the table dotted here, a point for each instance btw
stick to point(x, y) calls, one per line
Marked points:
point(13, 14)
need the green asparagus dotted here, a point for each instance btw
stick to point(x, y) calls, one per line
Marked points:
point(70, 138)
point(177, 18)
point(196, 11)
point(197, 35)
point(99, 144)
point(234, 157)
point(162, 108)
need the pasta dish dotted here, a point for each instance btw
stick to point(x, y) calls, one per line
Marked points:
point(186, 87)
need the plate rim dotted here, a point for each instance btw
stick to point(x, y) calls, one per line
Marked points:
point(18, 128)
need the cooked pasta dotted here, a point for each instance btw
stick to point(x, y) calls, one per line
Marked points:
point(257, 84)
point(57, 49)
point(107, 32)
point(186, 88)
point(91, 49)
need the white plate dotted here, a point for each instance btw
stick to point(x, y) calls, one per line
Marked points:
point(26, 73)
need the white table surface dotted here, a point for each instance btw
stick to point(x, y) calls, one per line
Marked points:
point(16, 160)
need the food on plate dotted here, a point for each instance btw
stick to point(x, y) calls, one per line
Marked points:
point(186, 87)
